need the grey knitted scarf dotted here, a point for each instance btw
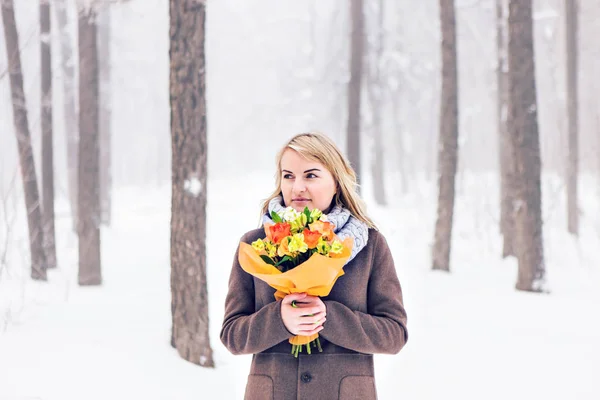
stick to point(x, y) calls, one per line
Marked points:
point(345, 224)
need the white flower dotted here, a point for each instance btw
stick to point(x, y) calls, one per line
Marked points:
point(323, 218)
point(289, 214)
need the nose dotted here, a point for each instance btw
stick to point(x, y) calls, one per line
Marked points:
point(299, 186)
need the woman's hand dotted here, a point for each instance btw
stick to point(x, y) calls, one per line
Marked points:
point(302, 314)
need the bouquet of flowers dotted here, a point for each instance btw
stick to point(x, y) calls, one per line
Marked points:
point(300, 254)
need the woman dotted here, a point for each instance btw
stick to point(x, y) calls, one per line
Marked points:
point(362, 315)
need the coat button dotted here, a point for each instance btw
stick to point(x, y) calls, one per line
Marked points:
point(306, 377)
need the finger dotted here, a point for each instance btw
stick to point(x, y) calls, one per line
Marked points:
point(308, 311)
point(293, 297)
point(314, 325)
point(310, 332)
point(312, 298)
point(312, 319)
point(310, 323)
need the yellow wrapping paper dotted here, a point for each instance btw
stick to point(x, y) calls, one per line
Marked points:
point(315, 277)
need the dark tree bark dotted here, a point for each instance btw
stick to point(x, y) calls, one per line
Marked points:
point(89, 152)
point(448, 139)
point(189, 295)
point(104, 27)
point(28, 175)
point(68, 61)
point(354, 86)
point(47, 135)
point(375, 90)
point(507, 188)
point(523, 129)
point(571, 29)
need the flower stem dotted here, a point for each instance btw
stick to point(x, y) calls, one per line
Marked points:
point(297, 348)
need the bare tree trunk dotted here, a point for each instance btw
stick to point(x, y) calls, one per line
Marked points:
point(507, 219)
point(572, 42)
point(523, 128)
point(104, 27)
point(448, 141)
point(354, 86)
point(68, 61)
point(189, 294)
point(47, 135)
point(375, 96)
point(89, 179)
point(30, 186)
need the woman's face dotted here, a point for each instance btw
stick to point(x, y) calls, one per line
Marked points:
point(305, 183)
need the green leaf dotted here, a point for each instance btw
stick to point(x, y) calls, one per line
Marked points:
point(284, 259)
point(307, 213)
point(268, 260)
point(275, 217)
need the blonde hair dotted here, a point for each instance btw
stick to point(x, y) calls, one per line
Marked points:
point(318, 147)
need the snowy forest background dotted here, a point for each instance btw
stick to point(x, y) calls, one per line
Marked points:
point(276, 68)
point(281, 67)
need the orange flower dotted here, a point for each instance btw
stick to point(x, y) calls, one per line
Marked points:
point(278, 231)
point(267, 227)
point(283, 248)
point(325, 228)
point(311, 238)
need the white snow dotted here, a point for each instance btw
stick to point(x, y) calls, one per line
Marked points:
point(272, 72)
point(193, 186)
point(472, 335)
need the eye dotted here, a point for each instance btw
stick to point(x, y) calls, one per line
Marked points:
point(311, 175)
point(287, 176)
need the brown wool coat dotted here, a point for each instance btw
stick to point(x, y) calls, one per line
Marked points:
point(365, 315)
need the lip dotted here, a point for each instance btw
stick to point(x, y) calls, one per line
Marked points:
point(301, 200)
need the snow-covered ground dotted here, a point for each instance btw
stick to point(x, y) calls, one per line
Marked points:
point(471, 334)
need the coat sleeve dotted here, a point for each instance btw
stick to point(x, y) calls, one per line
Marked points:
point(246, 330)
point(382, 329)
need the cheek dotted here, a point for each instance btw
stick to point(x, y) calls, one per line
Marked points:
point(330, 188)
point(285, 189)
point(326, 192)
